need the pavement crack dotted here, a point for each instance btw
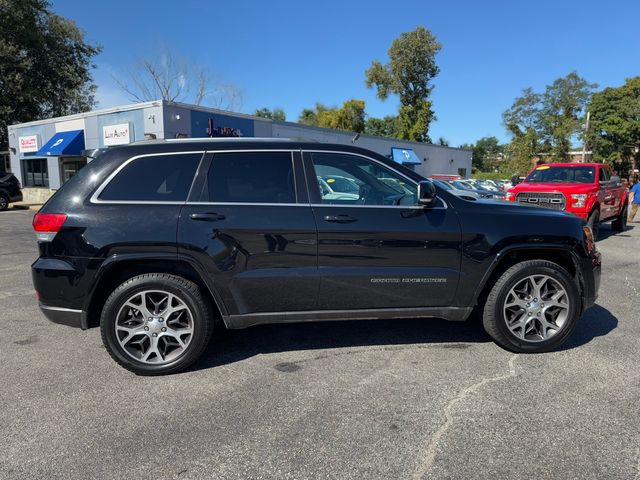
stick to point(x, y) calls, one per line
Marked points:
point(429, 454)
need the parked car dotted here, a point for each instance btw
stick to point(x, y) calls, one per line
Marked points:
point(466, 194)
point(588, 190)
point(481, 192)
point(10, 190)
point(155, 241)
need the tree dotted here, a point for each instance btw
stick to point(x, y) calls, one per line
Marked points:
point(408, 74)
point(546, 123)
point(275, 114)
point(382, 127)
point(563, 109)
point(485, 153)
point(443, 142)
point(45, 64)
point(176, 79)
point(615, 124)
point(350, 117)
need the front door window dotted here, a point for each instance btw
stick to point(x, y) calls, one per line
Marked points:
point(345, 179)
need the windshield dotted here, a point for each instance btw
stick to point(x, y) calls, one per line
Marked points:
point(549, 173)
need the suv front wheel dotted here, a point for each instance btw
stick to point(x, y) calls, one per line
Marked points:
point(532, 308)
point(155, 324)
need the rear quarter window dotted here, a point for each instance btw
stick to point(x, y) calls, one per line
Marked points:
point(155, 178)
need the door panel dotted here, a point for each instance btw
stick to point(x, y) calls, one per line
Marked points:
point(261, 258)
point(261, 253)
point(376, 248)
point(387, 257)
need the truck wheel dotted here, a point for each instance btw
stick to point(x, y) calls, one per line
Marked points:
point(532, 308)
point(620, 223)
point(156, 324)
point(594, 223)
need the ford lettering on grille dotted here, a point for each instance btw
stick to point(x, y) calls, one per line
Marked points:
point(555, 201)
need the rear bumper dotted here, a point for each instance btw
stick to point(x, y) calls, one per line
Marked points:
point(63, 316)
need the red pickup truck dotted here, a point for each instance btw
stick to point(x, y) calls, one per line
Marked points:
point(588, 190)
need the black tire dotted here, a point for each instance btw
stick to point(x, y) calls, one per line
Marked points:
point(494, 320)
point(4, 202)
point(594, 223)
point(620, 223)
point(187, 292)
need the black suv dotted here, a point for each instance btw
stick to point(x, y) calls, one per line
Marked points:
point(10, 190)
point(155, 241)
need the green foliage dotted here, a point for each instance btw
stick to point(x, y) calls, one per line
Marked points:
point(408, 74)
point(545, 123)
point(485, 153)
point(382, 127)
point(443, 142)
point(615, 123)
point(45, 64)
point(562, 115)
point(275, 114)
point(350, 117)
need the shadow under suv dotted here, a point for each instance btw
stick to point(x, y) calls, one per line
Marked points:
point(156, 241)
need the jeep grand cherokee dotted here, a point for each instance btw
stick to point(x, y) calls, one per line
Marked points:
point(155, 241)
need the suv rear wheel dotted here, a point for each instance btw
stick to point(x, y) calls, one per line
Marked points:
point(156, 323)
point(532, 308)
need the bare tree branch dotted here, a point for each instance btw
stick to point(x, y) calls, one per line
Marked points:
point(174, 79)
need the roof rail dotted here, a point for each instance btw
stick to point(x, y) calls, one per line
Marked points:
point(241, 139)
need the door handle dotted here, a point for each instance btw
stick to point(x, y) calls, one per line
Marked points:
point(340, 218)
point(207, 217)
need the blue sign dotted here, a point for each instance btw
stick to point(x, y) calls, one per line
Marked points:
point(405, 156)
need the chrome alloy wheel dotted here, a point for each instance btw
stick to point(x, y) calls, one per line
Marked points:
point(536, 308)
point(154, 327)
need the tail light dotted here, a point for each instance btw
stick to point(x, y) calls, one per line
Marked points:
point(46, 225)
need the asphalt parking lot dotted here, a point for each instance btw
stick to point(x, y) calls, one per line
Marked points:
point(381, 399)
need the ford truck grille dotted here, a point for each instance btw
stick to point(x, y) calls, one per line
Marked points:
point(555, 201)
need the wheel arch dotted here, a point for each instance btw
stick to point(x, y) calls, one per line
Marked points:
point(511, 256)
point(116, 270)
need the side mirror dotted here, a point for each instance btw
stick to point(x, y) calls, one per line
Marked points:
point(615, 179)
point(426, 193)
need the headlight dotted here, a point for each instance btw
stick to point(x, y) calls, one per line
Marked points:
point(509, 196)
point(578, 199)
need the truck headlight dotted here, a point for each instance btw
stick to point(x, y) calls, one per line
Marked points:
point(578, 199)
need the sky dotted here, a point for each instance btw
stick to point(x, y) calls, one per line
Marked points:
point(292, 54)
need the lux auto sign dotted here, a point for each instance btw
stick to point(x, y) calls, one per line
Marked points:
point(116, 134)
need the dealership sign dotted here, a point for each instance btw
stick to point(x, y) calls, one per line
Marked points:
point(28, 144)
point(116, 134)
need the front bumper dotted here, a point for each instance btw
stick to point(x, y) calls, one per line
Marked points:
point(16, 198)
point(591, 272)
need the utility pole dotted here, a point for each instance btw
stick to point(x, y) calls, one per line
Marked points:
point(584, 139)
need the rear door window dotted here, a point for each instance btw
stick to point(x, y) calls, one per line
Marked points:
point(155, 178)
point(252, 177)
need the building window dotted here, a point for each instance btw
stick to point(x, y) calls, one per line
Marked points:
point(69, 166)
point(462, 172)
point(35, 172)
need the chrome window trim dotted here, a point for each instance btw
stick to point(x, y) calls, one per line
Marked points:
point(253, 204)
point(405, 207)
point(95, 197)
